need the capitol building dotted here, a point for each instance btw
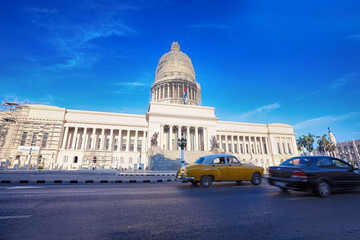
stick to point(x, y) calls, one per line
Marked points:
point(59, 138)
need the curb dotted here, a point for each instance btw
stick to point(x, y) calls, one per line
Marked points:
point(24, 182)
point(149, 175)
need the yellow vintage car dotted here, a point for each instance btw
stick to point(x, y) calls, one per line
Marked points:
point(219, 167)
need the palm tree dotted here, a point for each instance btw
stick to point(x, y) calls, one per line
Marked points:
point(323, 144)
point(310, 143)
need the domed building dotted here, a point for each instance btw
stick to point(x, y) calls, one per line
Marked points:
point(59, 138)
point(174, 75)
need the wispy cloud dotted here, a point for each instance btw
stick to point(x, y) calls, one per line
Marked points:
point(354, 36)
point(73, 41)
point(340, 82)
point(209, 25)
point(130, 87)
point(261, 111)
point(323, 120)
point(306, 95)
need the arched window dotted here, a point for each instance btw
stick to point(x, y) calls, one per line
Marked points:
point(94, 159)
point(75, 159)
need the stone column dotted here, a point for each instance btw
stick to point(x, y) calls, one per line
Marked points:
point(238, 144)
point(232, 144)
point(84, 139)
point(128, 141)
point(170, 137)
point(206, 139)
point(161, 137)
point(119, 141)
point(220, 144)
point(102, 139)
point(188, 138)
point(111, 140)
point(93, 140)
point(136, 140)
point(65, 138)
point(179, 137)
point(73, 144)
point(226, 144)
point(196, 139)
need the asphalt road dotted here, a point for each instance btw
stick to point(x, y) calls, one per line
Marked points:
point(174, 211)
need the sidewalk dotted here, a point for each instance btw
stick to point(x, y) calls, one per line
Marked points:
point(84, 177)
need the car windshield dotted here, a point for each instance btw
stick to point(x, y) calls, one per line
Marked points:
point(305, 162)
point(200, 160)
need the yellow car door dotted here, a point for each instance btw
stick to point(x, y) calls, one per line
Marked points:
point(221, 169)
point(236, 171)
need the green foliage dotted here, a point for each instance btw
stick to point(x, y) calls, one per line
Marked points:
point(40, 167)
point(305, 142)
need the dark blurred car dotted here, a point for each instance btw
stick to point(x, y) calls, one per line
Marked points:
point(319, 174)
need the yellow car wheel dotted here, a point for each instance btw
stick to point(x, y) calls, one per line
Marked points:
point(206, 181)
point(256, 178)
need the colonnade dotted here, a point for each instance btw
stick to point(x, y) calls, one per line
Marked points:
point(244, 144)
point(174, 90)
point(196, 137)
point(104, 139)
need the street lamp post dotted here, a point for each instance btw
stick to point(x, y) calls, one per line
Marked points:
point(182, 144)
point(140, 162)
point(52, 161)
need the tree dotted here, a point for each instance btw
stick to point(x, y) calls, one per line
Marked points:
point(306, 143)
point(322, 143)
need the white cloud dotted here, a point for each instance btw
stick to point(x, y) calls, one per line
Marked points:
point(305, 95)
point(323, 120)
point(340, 82)
point(210, 25)
point(354, 36)
point(258, 112)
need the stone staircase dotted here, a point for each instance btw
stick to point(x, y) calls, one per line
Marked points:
point(171, 160)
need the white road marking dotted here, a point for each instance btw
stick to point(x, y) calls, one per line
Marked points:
point(14, 217)
point(300, 198)
point(24, 187)
point(45, 192)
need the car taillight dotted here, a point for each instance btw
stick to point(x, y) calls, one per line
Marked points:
point(299, 174)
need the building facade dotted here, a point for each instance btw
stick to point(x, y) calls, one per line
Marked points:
point(59, 138)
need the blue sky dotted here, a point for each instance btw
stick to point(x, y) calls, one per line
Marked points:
point(276, 61)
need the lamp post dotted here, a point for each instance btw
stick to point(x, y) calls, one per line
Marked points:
point(182, 144)
point(52, 161)
point(140, 162)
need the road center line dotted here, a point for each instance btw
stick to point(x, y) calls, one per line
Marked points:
point(14, 217)
point(24, 187)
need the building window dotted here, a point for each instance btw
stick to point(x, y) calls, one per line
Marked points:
point(99, 143)
point(131, 145)
point(284, 148)
point(223, 146)
point(107, 143)
point(252, 148)
point(34, 139)
point(279, 150)
point(94, 160)
point(258, 148)
point(75, 159)
point(241, 148)
point(23, 139)
point(123, 147)
point(116, 144)
point(289, 148)
point(229, 145)
point(89, 144)
point(265, 149)
point(247, 148)
point(44, 140)
point(235, 148)
point(139, 146)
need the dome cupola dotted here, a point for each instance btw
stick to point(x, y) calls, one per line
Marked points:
point(174, 73)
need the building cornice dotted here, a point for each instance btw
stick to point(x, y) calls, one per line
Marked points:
point(106, 124)
point(180, 116)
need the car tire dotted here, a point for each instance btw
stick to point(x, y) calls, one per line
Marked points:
point(256, 178)
point(323, 189)
point(239, 182)
point(194, 182)
point(206, 181)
